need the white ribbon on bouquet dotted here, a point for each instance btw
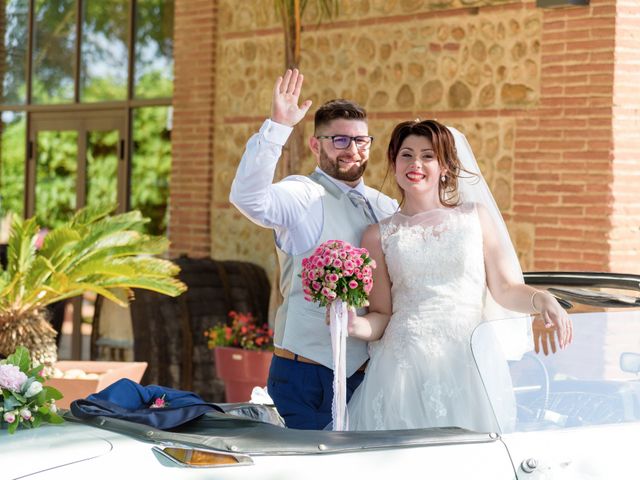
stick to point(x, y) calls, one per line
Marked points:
point(338, 322)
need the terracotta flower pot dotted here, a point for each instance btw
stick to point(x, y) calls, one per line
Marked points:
point(241, 370)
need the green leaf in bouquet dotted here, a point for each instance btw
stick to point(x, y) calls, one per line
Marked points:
point(20, 397)
point(13, 427)
point(54, 418)
point(11, 403)
point(37, 421)
point(35, 372)
point(20, 358)
point(44, 410)
point(51, 393)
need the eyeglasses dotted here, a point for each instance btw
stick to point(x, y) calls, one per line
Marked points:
point(342, 142)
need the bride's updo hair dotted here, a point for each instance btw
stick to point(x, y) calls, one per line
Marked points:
point(444, 147)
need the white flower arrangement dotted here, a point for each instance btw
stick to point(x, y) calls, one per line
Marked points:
point(25, 401)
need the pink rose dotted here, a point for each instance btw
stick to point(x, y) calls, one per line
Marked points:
point(159, 402)
point(11, 378)
point(353, 284)
point(9, 417)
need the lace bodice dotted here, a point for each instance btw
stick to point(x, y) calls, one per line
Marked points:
point(436, 266)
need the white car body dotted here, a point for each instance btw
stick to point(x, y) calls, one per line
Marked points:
point(578, 417)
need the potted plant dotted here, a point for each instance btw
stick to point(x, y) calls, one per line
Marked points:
point(93, 251)
point(243, 350)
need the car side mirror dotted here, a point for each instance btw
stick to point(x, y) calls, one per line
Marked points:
point(630, 362)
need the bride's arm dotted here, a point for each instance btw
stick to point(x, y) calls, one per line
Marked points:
point(371, 326)
point(508, 289)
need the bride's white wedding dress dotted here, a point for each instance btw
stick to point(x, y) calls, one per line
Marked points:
point(421, 373)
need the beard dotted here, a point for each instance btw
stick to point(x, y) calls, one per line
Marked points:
point(331, 166)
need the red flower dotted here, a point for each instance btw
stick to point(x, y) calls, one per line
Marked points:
point(243, 331)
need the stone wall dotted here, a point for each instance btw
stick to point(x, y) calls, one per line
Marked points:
point(474, 69)
point(532, 89)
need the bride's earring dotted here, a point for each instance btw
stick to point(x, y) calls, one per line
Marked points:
point(443, 178)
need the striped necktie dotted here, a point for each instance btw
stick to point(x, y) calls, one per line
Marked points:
point(359, 201)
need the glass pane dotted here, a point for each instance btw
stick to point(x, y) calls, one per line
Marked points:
point(13, 51)
point(102, 167)
point(12, 169)
point(53, 51)
point(154, 49)
point(593, 381)
point(103, 73)
point(151, 165)
point(56, 172)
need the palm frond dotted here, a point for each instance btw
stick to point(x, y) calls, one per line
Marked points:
point(39, 274)
point(91, 214)
point(166, 286)
point(22, 245)
point(94, 251)
point(143, 245)
point(59, 240)
point(119, 295)
point(150, 266)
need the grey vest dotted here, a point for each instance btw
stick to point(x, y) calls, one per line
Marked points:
point(300, 325)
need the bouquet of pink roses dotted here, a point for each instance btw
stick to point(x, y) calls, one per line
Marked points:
point(338, 270)
point(338, 275)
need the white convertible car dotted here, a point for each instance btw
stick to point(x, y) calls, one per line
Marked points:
point(574, 414)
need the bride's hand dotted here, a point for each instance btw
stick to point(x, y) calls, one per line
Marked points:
point(555, 320)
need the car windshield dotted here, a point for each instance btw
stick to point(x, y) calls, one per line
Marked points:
point(593, 381)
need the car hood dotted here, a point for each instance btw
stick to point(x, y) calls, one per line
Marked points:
point(41, 449)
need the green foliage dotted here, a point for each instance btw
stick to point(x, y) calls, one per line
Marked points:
point(30, 403)
point(151, 166)
point(56, 173)
point(57, 167)
point(93, 251)
point(12, 166)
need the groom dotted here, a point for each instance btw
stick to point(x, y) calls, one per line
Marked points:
point(304, 211)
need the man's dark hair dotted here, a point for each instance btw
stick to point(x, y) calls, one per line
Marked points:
point(339, 108)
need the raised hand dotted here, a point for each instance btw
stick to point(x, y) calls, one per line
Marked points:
point(284, 107)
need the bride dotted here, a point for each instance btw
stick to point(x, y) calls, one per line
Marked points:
point(443, 259)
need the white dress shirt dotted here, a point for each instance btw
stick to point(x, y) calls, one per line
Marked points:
point(293, 206)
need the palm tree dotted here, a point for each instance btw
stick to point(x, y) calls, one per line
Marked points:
point(93, 251)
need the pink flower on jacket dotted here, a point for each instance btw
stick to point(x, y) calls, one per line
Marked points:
point(159, 402)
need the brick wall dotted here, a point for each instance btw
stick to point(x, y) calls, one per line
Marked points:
point(625, 232)
point(562, 179)
point(192, 136)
